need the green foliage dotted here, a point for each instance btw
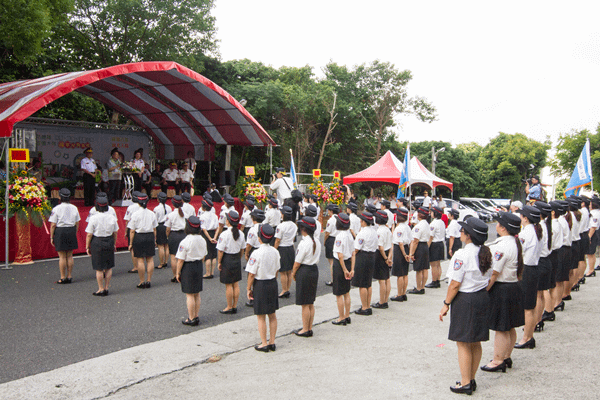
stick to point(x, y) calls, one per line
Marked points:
point(506, 160)
point(559, 191)
point(568, 150)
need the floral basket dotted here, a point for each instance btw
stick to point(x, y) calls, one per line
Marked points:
point(255, 188)
point(129, 168)
point(27, 198)
point(319, 189)
point(336, 193)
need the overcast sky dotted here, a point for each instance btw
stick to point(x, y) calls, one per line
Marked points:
point(524, 66)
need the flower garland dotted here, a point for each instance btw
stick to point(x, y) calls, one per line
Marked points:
point(27, 198)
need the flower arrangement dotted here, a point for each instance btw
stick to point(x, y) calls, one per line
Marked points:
point(320, 190)
point(27, 198)
point(129, 167)
point(255, 188)
point(336, 193)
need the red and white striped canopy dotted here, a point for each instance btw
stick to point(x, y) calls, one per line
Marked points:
point(179, 108)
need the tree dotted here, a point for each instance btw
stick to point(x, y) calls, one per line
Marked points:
point(569, 149)
point(508, 159)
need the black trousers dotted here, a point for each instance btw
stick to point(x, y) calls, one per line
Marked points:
point(114, 190)
point(89, 189)
point(170, 183)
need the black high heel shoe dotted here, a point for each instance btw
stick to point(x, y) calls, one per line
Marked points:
point(582, 281)
point(548, 316)
point(530, 344)
point(284, 295)
point(591, 274)
point(575, 288)
point(508, 362)
point(467, 389)
point(499, 367)
point(539, 327)
point(560, 306)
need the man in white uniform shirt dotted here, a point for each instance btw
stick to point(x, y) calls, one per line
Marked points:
point(89, 168)
point(282, 185)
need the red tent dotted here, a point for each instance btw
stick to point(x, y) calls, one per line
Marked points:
point(387, 169)
point(179, 108)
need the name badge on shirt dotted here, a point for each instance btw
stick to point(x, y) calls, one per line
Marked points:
point(458, 264)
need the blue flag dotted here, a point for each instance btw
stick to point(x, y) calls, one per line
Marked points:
point(293, 170)
point(582, 174)
point(404, 177)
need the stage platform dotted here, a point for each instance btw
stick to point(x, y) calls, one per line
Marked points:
point(40, 237)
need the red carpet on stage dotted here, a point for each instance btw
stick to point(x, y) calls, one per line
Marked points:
point(40, 237)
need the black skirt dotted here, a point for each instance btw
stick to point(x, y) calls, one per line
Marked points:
point(329, 247)
point(102, 250)
point(144, 245)
point(584, 244)
point(421, 257)
point(231, 271)
point(593, 243)
point(307, 277)
point(287, 255)
point(575, 254)
point(381, 272)
point(457, 245)
point(469, 315)
point(363, 269)
point(506, 309)
point(529, 286)
point(246, 230)
point(554, 267)
point(544, 273)
point(564, 266)
point(265, 296)
point(436, 251)
point(175, 237)
point(211, 248)
point(65, 238)
point(191, 277)
point(341, 285)
point(161, 234)
point(399, 264)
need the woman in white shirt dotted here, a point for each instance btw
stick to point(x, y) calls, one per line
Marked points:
point(285, 233)
point(100, 244)
point(306, 274)
point(564, 255)
point(436, 246)
point(419, 251)
point(383, 259)
point(352, 211)
point(175, 231)
point(272, 215)
point(161, 211)
point(209, 224)
point(230, 246)
point(187, 208)
point(594, 236)
point(401, 239)
point(506, 298)
point(187, 178)
point(365, 246)
point(575, 218)
point(330, 232)
point(557, 243)
point(262, 270)
point(246, 221)
point(531, 240)
point(189, 257)
point(544, 263)
point(469, 277)
point(64, 223)
point(311, 211)
point(143, 241)
point(343, 268)
point(453, 233)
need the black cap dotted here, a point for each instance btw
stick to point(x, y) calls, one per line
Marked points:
point(88, 149)
point(274, 203)
point(64, 193)
point(385, 203)
point(266, 232)
point(227, 198)
point(233, 217)
point(249, 203)
point(437, 211)
point(344, 219)
point(455, 213)
point(162, 197)
point(477, 229)
point(102, 200)
point(510, 221)
point(574, 202)
point(258, 214)
point(545, 208)
point(207, 202)
point(333, 207)
point(177, 201)
point(367, 217)
point(250, 197)
point(309, 223)
point(185, 196)
point(381, 217)
point(371, 209)
point(310, 211)
point(279, 169)
point(285, 210)
point(402, 212)
point(352, 206)
point(532, 213)
point(423, 211)
point(194, 223)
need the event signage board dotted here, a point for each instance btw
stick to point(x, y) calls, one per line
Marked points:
point(316, 173)
point(18, 155)
point(250, 171)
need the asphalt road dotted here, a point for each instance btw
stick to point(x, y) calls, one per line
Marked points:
point(46, 326)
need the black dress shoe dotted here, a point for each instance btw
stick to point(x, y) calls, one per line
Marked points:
point(132, 271)
point(560, 306)
point(284, 295)
point(597, 268)
point(548, 316)
point(230, 311)
point(575, 288)
point(499, 367)
point(250, 303)
point(473, 384)
point(530, 344)
point(397, 298)
point(433, 285)
point(567, 298)
point(264, 349)
point(348, 321)
point(174, 280)
point(272, 347)
point(416, 291)
point(342, 322)
point(368, 311)
point(539, 327)
point(466, 389)
point(304, 334)
point(379, 305)
point(141, 285)
point(508, 362)
point(105, 292)
point(591, 274)
point(100, 293)
point(69, 280)
point(329, 283)
point(191, 322)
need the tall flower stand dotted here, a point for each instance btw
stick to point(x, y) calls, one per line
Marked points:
point(23, 255)
point(129, 183)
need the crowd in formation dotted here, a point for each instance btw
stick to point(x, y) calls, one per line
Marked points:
point(521, 279)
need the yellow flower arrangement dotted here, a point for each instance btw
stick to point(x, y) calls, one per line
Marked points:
point(27, 198)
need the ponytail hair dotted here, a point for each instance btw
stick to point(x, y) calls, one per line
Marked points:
point(309, 233)
point(235, 232)
point(538, 230)
point(485, 259)
point(577, 215)
point(180, 212)
point(569, 219)
point(549, 229)
point(519, 256)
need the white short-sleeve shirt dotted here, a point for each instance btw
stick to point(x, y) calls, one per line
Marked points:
point(304, 252)
point(366, 240)
point(421, 231)
point(192, 248)
point(505, 258)
point(557, 235)
point(283, 187)
point(384, 237)
point(227, 244)
point(143, 221)
point(102, 225)
point(64, 215)
point(186, 176)
point(161, 211)
point(252, 238)
point(132, 209)
point(264, 263)
point(344, 243)
point(188, 210)
point(531, 245)
point(88, 164)
point(565, 230)
point(354, 223)
point(93, 211)
point(464, 268)
point(286, 231)
point(272, 217)
point(330, 227)
point(453, 230)
point(174, 221)
point(209, 220)
point(438, 230)
point(170, 174)
point(402, 234)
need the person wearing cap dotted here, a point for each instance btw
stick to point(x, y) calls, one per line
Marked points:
point(175, 231)
point(187, 208)
point(365, 247)
point(312, 211)
point(343, 268)
point(564, 255)
point(534, 192)
point(64, 223)
point(352, 210)
point(544, 268)
point(419, 251)
point(575, 216)
point(372, 201)
point(594, 225)
point(89, 169)
point(186, 178)
point(142, 227)
point(171, 178)
point(209, 222)
point(401, 239)
point(313, 200)
point(383, 259)
point(113, 167)
point(555, 260)
point(531, 236)
point(285, 233)
point(139, 163)
point(282, 185)
point(162, 241)
point(330, 233)
point(584, 243)
point(272, 215)
point(426, 200)
point(469, 276)
point(385, 207)
point(246, 220)
point(131, 209)
point(516, 206)
point(190, 253)
point(306, 274)
point(100, 244)
point(94, 210)
point(225, 209)
point(230, 246)
point(436, 246)
point(453, 242)
point(262, 270)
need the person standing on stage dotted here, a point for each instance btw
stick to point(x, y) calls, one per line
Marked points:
point(147, 180)
point(162, 242)
point(143, 241)
point(89, 169)
point(64, 222)
point(191, 162)
point(189, 257)
point(262, 270)
point(186, 178)
point(114, 176)
point(282, 185)
point(100, 244)
point(140, 164)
